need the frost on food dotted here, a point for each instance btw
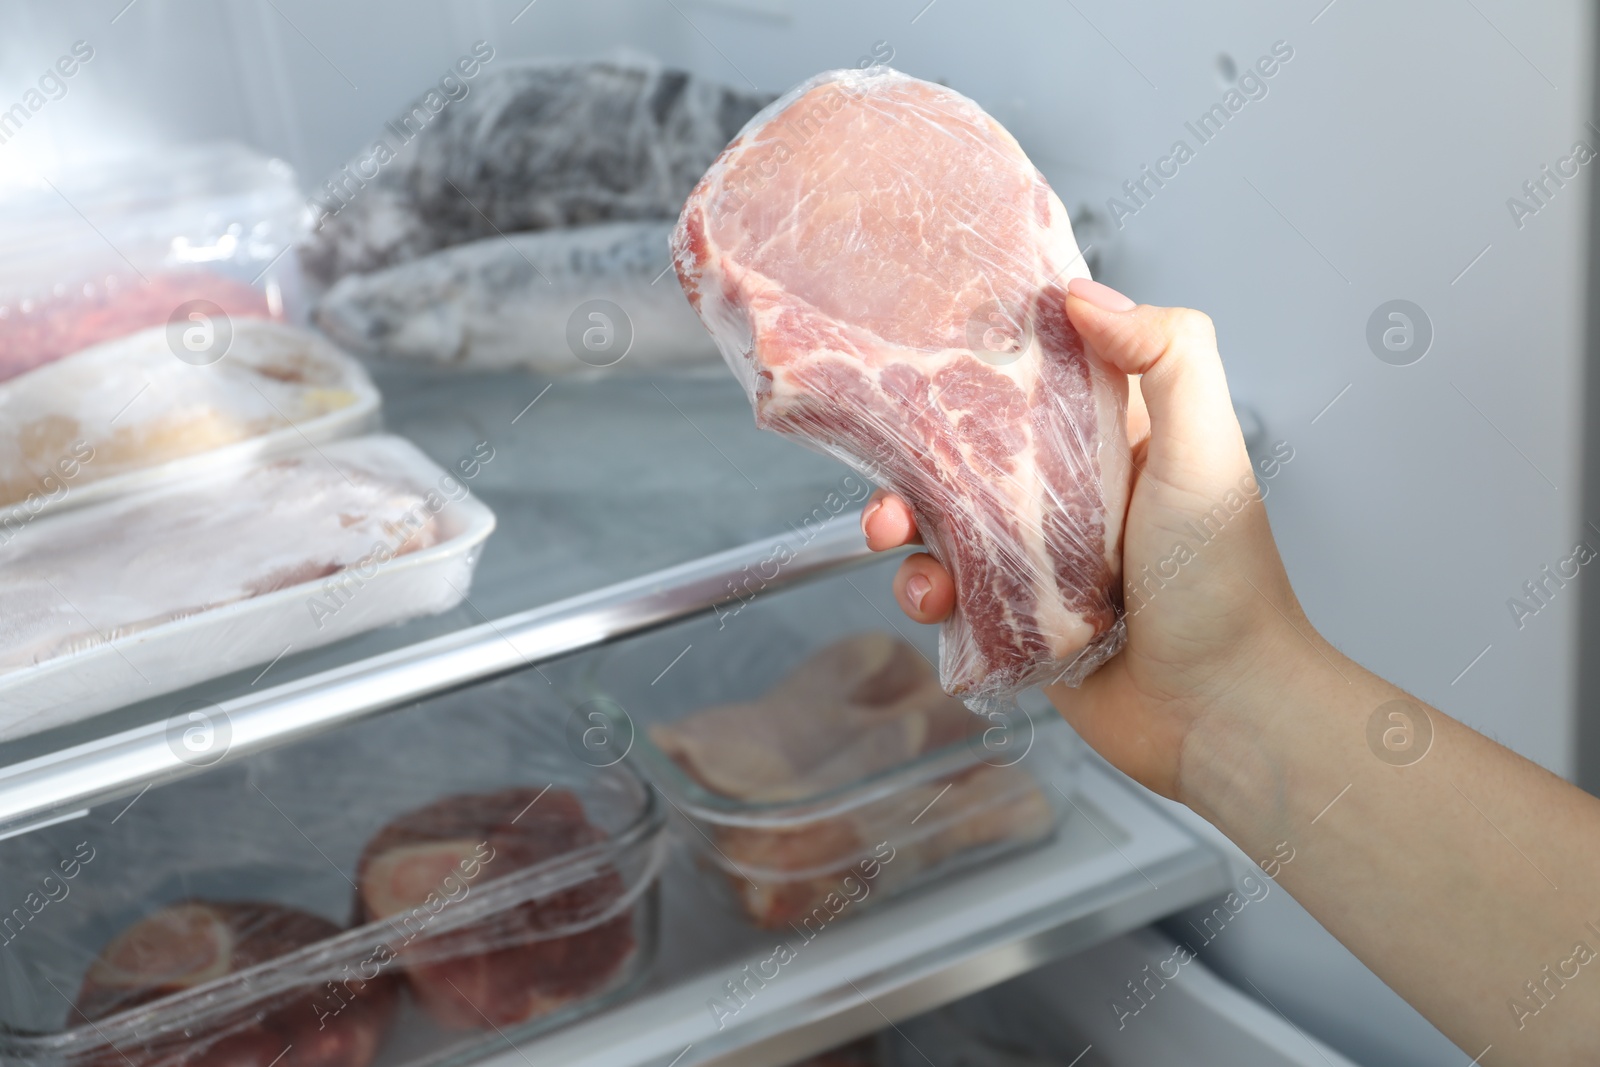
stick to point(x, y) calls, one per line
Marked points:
point(74, 581)
point(535, 146)
point(885, 271)
point(509, 301)
point(128, 405)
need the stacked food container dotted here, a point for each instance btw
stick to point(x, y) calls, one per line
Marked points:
point(182, 493)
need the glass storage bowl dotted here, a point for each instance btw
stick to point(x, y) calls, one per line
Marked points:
point(896, 790)
point(209, 867)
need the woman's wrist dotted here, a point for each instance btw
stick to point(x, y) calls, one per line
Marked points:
point(1253, 753)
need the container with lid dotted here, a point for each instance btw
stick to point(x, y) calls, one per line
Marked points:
point(226, 569)
point(417, 886)
point(811, 758)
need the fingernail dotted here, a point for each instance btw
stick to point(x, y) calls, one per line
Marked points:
point(1101, 296)
point(917, 589)
point(867, 513)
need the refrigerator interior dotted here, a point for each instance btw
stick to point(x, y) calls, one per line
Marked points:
point(1419, 499)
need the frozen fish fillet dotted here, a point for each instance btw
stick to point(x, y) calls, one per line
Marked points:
point(527, 300)
point(532, 146)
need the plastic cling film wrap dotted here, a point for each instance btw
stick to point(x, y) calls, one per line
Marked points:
point(514, 300)
point(530, 146)
point(285, 523)
point(35, 333)
point(886, 272)
point(173, 226)
point(130, 407)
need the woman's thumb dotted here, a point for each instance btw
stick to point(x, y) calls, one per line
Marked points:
point(1174, 351)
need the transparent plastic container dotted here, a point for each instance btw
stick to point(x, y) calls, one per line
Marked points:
point(223, 570)
point(482, 956)
point(125, 415)
point(825, 775)
point(122, 246)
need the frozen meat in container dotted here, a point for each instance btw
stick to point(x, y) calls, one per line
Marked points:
point(125, 414)
point(146, 594)
point(144, 238)
point(256, 856)
point(811, 754)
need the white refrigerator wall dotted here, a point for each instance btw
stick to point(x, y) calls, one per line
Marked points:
point(1377, 163)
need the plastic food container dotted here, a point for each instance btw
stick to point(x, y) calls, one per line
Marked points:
point(224, 570)
point(123, 245)
point(280, 847)
point(126, 414)
point(811, 758)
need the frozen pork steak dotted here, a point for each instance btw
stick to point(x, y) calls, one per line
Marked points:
point(886, 272)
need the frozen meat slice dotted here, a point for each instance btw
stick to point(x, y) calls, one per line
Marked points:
point(885, 271)
point(72, 581)
point(131, 404)
point(512, 964)
point(187, 945)
point(36, 332)
point(863, 704)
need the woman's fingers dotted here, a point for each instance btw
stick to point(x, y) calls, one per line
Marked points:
point(888, 523)
point(924, 589)
point(1194, 436)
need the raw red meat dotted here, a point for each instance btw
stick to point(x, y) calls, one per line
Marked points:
point(858, 708)
point(885, 270)
point(189, 944)
point(32, 335)
point(515, 963)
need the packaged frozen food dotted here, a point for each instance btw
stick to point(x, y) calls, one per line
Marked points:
point(224, 570)
point(864, 705)
point(531, 146)
point(815, 765)
point(536, 300)
point(195, 943)
point(139, 239)
point(885, 271)
point(215, 920)
point(127, 413)
point(514, 965)
point(36, 332)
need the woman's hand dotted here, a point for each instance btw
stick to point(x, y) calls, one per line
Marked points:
point(1208, 602)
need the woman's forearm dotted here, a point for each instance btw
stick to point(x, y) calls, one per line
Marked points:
point(1465, 876)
